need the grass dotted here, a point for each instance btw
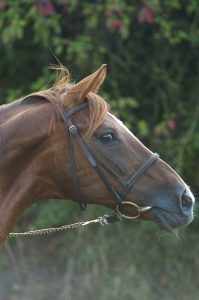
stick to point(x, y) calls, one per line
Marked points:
point(128, 260)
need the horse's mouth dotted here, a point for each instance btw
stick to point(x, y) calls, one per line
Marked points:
point(167, 220)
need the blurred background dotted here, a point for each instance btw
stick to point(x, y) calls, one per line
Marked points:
point(152, 51)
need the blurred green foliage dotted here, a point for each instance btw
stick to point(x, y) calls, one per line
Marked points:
point(151, 48)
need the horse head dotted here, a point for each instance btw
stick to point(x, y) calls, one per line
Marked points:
point(73, 147)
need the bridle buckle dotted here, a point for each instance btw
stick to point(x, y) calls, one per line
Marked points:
point(73, 129)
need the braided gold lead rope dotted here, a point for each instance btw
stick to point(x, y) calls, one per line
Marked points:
point(52, 230)
point(105, 220)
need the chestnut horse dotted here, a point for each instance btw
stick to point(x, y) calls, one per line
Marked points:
point(63, 143)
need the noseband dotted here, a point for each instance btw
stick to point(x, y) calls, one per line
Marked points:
point(72, 132)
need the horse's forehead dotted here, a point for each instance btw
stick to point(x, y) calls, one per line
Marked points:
point(117, 123)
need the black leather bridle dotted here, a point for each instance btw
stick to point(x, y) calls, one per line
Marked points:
point(72, 132)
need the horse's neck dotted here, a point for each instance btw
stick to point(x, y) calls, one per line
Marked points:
point(27, 170)
point(20, 188)
point(20, 130)
point(8, 110)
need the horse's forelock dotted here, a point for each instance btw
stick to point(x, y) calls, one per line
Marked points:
point(98, 109)
point(97, 106)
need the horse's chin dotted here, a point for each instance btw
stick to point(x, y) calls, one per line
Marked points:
point(167, 220)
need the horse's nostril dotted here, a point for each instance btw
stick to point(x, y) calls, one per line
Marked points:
point(186, 202)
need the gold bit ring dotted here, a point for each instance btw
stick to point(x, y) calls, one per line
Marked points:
point(134, 205)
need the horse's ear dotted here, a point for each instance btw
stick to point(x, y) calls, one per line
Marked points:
point(80, 90)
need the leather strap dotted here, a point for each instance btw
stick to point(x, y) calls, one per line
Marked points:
point(75, 181)
point(135, 176)
point(71, 130)
point(74, 132)
point(69, 113)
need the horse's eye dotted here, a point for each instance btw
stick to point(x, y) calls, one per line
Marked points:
point(107, 137)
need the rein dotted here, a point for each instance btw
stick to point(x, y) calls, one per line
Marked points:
point(119, 196)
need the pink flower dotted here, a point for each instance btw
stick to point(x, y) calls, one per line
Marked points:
point(116, 23)
point(45, 6)
point(145, 15)
point(171, 123)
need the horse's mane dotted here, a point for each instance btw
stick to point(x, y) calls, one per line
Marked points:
point(97, 106)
